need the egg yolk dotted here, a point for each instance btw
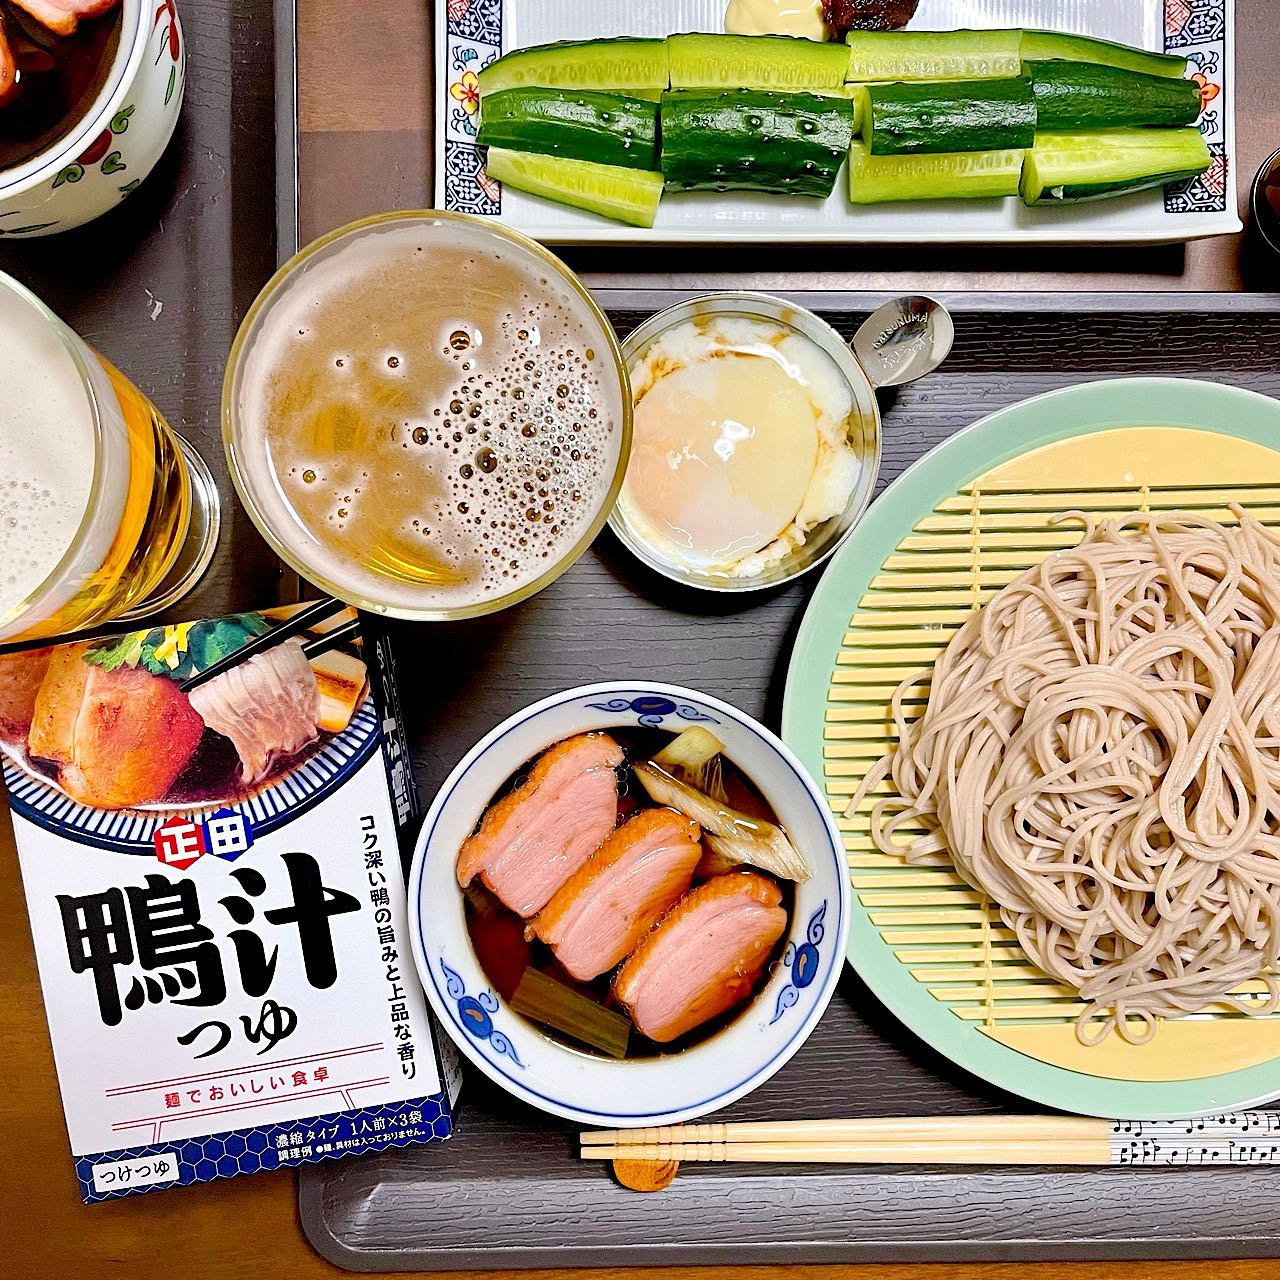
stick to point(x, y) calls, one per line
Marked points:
point(723, 451)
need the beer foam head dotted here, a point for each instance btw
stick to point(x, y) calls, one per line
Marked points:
point(46, 450)
point(428, 416)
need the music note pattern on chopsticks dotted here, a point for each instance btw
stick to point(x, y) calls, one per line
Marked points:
point(1232, 1138)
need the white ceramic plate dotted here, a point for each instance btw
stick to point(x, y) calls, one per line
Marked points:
point(650, 1091)
point(471, 33)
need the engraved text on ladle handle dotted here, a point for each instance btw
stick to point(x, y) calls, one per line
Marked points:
point(903, 340)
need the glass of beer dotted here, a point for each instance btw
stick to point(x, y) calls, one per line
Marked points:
point(105, 512)
point(427, 415)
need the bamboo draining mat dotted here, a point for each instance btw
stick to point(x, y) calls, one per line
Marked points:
point(946, 934)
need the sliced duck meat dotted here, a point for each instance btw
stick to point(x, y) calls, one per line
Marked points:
point(705, 955)
point(21, 675)
point(62, 17)
point(268, 705)
point(532, 840)
point(603, 911)
point(120, 737)
point(57, 704)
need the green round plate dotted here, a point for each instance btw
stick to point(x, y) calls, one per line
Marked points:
point(937, 482)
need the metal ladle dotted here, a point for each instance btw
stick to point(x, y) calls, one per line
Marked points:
point(903, 340)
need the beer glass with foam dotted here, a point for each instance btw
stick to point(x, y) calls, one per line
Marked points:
point(427, 415)
point(105, 512)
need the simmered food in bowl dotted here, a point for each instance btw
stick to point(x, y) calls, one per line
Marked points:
point(629, 948)
point(55, 57)
point(627, 890)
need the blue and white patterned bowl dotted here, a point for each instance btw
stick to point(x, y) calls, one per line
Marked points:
point(649, 1091)
point(314, 774)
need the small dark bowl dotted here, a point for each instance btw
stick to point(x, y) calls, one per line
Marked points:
point(1265, 203)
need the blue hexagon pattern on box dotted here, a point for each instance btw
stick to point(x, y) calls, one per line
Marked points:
point(225, 1155)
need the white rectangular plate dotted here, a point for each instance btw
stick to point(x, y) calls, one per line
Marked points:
point(471, 33)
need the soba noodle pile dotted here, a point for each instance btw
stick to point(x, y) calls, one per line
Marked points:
point(1100, 755)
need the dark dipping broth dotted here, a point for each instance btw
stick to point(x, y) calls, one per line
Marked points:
point(59, 77)
point(497, 933)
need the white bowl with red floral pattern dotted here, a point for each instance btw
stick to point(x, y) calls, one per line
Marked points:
point(115, 146)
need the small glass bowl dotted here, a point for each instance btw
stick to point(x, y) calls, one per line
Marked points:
point(863, 427)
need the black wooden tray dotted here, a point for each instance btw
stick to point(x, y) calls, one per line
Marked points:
point(509, 1191)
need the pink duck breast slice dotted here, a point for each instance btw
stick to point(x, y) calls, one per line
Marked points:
point(532, 840)
point(604, 910)
point(704, 957)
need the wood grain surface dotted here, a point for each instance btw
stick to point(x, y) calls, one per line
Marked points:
point(197, 238)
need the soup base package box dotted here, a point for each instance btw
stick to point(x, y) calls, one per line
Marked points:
point(213, 876)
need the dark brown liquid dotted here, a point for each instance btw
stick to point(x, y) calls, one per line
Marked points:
point(58, 79)
point(497, 938)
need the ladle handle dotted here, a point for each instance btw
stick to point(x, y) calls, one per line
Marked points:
point(903, 340)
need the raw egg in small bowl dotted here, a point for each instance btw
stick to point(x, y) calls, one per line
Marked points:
point(756, 437)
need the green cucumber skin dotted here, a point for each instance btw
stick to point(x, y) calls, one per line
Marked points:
point(631, 65)
point(959, 115)
point(754, 140)
point(626, 195)
point(971, 175)
point(934, 55)
point(1072, 96)
point(698, 60)
point(1084, 192)
point(580, 124)
point(1046, 45)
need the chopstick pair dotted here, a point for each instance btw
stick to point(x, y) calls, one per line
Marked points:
point(942, 1140)
point(1240, 1138)
point(301, 621)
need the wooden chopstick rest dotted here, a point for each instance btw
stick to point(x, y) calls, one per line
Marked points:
point(645, 1175)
